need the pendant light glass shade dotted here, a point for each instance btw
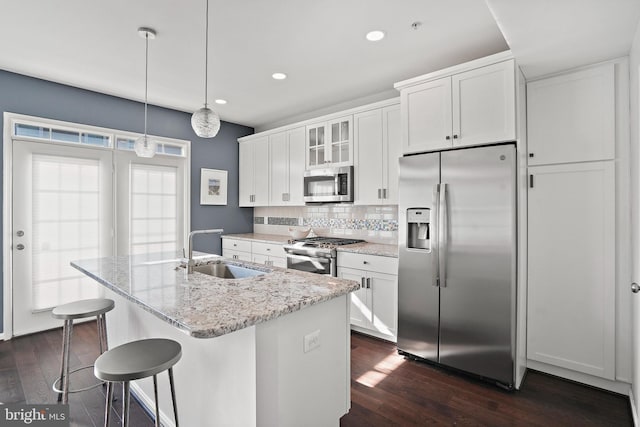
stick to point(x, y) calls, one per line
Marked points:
point(145, 146)
point(206, 122)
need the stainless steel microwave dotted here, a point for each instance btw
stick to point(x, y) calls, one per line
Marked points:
point(329, 185)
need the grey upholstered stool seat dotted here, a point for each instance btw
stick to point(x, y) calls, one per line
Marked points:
point(69, 312)
point(136, 360)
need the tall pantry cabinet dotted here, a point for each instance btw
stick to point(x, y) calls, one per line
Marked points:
point(574, 229)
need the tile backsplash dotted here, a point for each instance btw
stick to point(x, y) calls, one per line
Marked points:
point(378, 224)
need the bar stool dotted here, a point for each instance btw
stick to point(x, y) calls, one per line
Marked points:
point(133, 361)
point(69, 312)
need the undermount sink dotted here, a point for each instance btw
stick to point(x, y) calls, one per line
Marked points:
point(227, 271)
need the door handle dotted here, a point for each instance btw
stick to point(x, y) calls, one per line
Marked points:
point(19, 246)
point(379, 193)
point(20, 233)
point(635, 288)
point(435, 246)
point(384, 193)
point(362, 285)
point(368, 282)
point(442, 236)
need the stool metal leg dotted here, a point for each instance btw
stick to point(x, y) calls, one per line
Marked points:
point(65, 379)
point(107, 406)
point(173, 396)
point(65, 345)
point(125, 397)
point(155, 393)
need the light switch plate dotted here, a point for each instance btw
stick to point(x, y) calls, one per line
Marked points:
point(312, 341)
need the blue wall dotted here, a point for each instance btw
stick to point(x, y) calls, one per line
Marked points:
point(35, 97)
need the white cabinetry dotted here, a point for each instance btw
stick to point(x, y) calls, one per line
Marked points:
point(329, 143)
point(254, 172)
point(269, 254)
point(571, 273)
point(286, 166)
point(236, 249)
point(374, 307)
point(467, 108)
point(571, 117)
point(377, 142)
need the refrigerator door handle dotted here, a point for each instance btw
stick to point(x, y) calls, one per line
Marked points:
point(435, 248)
point(442, 235)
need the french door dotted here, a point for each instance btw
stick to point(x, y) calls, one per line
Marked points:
point(62, 210)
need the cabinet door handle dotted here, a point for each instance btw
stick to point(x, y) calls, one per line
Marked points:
point(235, 244)
point(365, 262)
point(368, 282)
point(530, 154)
point(283, 199)
point(362, 282)
point(268, 249)
point(447, 137)
point(455, 136)
point(384, 193)
point(379, 193)
point(531, 181)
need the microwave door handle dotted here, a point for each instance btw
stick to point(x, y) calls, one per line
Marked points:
point(336, 184)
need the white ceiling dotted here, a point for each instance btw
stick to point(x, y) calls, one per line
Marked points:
point(319, 44)
point(548, 36)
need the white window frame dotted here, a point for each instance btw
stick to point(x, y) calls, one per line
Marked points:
point(10, 120)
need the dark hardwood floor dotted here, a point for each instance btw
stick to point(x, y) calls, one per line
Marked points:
point(386, 389)
point(389, 390)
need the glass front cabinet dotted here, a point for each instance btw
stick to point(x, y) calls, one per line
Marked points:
point(330, 143)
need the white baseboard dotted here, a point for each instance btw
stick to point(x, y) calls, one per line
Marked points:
point(619, 387)
point(634, 408)
point(373, 333)
point(150, 405)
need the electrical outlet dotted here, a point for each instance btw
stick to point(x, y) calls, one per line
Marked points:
point(312, 341)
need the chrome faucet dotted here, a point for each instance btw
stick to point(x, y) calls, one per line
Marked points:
point(190, 261)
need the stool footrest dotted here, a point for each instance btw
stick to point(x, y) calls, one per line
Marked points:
point(56, 388)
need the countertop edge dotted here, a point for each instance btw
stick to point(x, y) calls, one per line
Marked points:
point(367, 248)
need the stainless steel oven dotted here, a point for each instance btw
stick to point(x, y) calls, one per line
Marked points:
point(312, 264)
point(315, 254)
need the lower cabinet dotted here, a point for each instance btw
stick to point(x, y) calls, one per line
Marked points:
point(571, 271)
point(374, 307)
point(269, 254)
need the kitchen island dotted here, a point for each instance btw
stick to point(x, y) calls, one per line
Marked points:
point(271, 349)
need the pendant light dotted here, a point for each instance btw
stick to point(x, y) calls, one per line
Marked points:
point(205, 122)
point(145, 146)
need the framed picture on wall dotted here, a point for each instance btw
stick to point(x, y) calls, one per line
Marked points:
point(213, 187)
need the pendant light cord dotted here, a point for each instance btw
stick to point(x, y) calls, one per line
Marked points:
point(206, 55)
point(146, 81)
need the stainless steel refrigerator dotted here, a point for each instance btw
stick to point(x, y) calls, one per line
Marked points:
point(457, 249)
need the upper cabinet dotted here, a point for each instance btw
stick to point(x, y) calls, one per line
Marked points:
point(254, 173)
point(286, 167)
point(330, 143)
point(571, 118)
point(377, 141)
point(465, 108)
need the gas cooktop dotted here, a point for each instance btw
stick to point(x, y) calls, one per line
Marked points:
point(325, 242)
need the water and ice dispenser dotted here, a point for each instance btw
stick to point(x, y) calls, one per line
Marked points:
point(419, 228)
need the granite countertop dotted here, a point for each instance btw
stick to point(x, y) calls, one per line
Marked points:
point(358, 248)
point(204, 306)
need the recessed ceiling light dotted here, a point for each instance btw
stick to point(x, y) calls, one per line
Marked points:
point(375, 35)
point(220, 101)
point(279, 76)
